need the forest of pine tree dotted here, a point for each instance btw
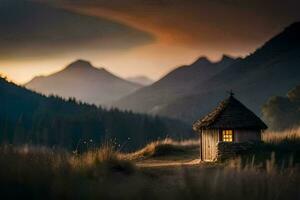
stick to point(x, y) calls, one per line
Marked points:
point(30, 118)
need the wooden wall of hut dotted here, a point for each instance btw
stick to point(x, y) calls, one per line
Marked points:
point(247, 135)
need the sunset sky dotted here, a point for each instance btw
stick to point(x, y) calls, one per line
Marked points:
point(132, 37)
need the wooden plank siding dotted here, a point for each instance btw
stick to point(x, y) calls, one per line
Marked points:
point(209, 140)
point(200, 149)
point(247, 135)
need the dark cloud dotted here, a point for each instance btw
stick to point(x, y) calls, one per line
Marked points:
point(228, 26)
point(33, 29)
point(221, 25)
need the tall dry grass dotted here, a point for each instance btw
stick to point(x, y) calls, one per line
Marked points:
point(40, 173)
point(279, 136)
point(239, 181)
point(28, 173)
point(105, 158)
point(285, 144)
point(166, 147)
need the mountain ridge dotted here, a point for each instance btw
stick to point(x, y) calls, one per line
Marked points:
point(87, 83)
point(175, 83)
point(270, 70)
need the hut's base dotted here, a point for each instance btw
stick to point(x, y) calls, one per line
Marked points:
point(226, 150)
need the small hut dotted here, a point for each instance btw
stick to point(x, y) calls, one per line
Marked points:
point(231, 124)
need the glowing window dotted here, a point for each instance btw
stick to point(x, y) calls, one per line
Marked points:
point(227, 135)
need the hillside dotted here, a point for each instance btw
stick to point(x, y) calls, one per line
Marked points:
point(176, 84)
point(270, 71)
point(28, 117)
point(84, 82)
point(142, 80)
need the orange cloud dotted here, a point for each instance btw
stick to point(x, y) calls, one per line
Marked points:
point(214, 25)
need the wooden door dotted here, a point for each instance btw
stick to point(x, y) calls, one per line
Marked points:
point(209, 144)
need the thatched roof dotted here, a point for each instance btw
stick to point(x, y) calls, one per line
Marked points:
point(230, 114)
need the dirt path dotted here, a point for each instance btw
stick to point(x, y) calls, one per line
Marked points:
point(166, 163)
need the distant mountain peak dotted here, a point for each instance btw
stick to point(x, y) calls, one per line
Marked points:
point(80, 64)
point(205, 61)
point(226, 57)
point(87, 83)
point(202, 60)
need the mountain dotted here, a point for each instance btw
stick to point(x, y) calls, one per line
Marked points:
point(142, 80)
point(175, 84)
point(27, 117)
point(84, 82)
point(270, 71)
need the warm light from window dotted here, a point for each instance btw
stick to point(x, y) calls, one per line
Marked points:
point(227, 135)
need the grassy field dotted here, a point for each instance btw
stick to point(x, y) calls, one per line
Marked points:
point(277, 137)
point(272, 172)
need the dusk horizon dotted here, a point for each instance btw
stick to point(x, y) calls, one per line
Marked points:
point(122, 39)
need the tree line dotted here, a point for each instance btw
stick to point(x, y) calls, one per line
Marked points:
point(31, 118)
point(283, 112)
